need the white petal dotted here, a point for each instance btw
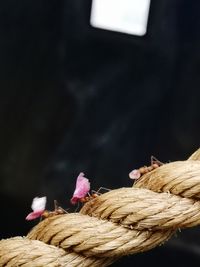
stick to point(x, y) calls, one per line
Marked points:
point(134, 174)
point(39, 203)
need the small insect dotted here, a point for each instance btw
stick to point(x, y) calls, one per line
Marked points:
point(137, 173)
point(82, 190)
point(88, 197)
point(57, 211)
point(93, 194)
point(39, 211)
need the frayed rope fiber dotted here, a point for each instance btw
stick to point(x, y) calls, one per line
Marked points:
point(121, 222)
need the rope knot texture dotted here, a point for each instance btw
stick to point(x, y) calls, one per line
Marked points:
point(120, 222)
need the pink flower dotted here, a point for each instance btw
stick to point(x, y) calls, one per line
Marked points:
point(82, 188)
point(134, 174)
point(38, 207)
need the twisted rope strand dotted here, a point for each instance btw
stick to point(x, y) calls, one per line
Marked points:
point(179, 178)
point(95, 237)
point(21, 251)
point(143, 209)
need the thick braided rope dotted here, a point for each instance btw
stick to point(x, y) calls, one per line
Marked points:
point(94, 237)
point(21, 251)
point(179, 178)
point(124, 221)
point(149, 210)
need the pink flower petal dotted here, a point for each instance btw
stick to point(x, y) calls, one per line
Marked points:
point(82, 188)
point(74, 200)
point(134, 174)
point(34, 215)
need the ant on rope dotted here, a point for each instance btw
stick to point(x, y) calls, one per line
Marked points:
point(39, 211)
point(81, 193)
point(57, 211)
point(137, 173)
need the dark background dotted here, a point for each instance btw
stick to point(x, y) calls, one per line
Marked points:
point(74, 98)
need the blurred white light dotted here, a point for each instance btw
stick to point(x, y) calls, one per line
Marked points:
point(128, 16)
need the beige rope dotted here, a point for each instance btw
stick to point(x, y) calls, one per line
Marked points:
point(179, 178)
point(94, 237)
point(121, 222)
point(143, 209)
point(19, 251)
point(195, 155)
